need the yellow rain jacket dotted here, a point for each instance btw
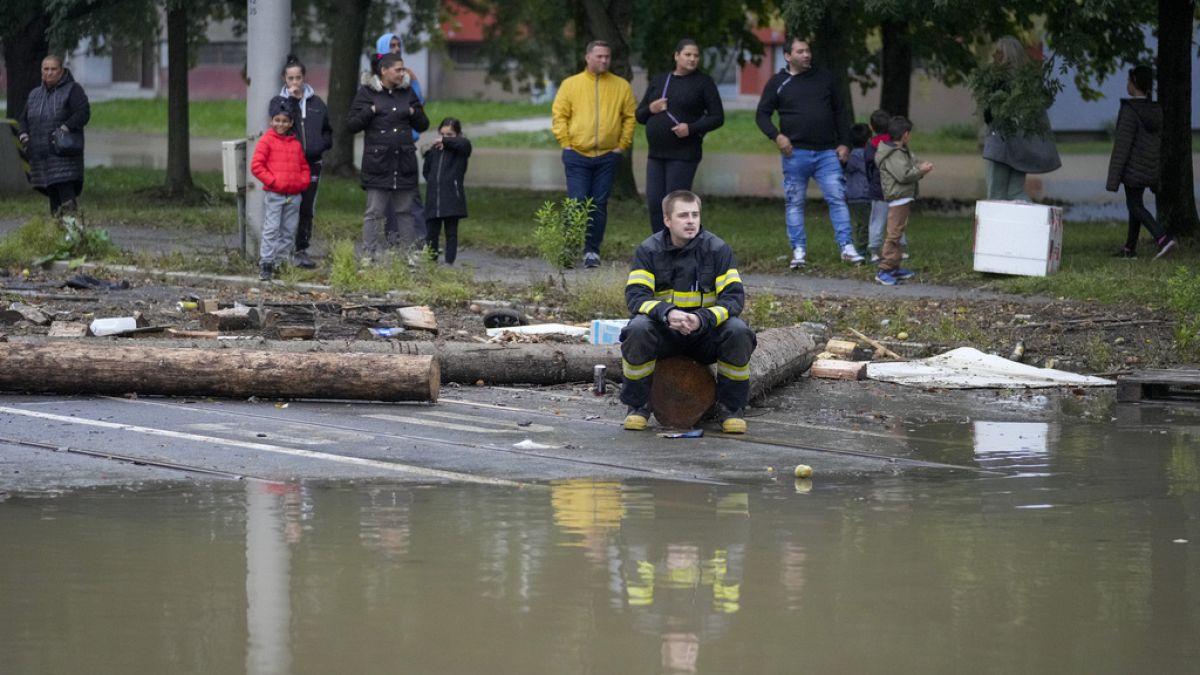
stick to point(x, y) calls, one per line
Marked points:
point(594, 115)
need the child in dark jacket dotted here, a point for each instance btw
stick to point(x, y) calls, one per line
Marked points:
point(280, 165)
point(1134, 161)
point(858, 186)
point(445, 201)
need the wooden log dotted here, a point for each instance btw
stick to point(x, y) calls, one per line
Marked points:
point(78, 368)
point(682, 391)
point(782, 355)
point(838, 370)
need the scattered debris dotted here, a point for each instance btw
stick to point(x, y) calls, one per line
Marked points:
point(19, 311)
point(68, 329)
point(694, 433)
point(838, 370)
point(968, 368)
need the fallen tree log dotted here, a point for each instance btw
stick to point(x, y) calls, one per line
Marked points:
point(783, 354)
point(76, 368)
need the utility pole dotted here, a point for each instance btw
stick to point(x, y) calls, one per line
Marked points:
point(268, 39)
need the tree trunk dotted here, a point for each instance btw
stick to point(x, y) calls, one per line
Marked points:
point(76, 368)
point(179, 162)
point(344, 54)
point(829, 52)
point(612, 21)
point(1176, 197)
point(896, 87)
point(23, 54)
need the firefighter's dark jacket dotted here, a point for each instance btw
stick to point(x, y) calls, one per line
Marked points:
point(701, 277)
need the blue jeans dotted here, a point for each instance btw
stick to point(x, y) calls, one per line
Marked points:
point(825, 167)
point(592, 177)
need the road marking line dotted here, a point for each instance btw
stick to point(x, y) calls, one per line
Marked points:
point(264, 447)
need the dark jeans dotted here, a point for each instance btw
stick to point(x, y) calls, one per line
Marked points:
point(62, 193)
point(433, 229)
point(664, 176)
point(592, 177)
point(308, 208)
point(1140, 216)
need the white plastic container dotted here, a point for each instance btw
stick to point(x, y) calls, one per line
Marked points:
point(606, 331)
point(114, 326)
point(1017, 238)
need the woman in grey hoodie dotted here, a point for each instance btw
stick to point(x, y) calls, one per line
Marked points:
point(1134, 161)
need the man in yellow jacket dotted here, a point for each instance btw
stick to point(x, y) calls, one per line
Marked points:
point(593, 120)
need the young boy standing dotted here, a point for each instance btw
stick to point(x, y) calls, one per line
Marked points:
point(879, 126)
point(899, 173)
point(280, 164)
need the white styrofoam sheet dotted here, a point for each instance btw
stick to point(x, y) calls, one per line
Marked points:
point(540, 329)
point(969, 368)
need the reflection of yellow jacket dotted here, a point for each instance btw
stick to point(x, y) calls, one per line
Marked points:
point(594, 114)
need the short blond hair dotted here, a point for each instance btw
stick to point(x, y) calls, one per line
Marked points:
point(669, 201)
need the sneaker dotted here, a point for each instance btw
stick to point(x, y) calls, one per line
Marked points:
point(636, 419)
point(885, 278)
point(902, 274)
point(592, 261)
point(797, 258)
point(904, 255)
point(874, 256)
point(300, 259)
point(266, 271)
point(1167, 246)
point(851, 255)
point(1126, 253)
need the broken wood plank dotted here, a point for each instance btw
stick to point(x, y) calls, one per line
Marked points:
point(68, 329)
point(76, 368)
point(843, 348)
point(209, 305)
point(879, 348)
point(838, 370)
point(420, 317)
point(1159, 384)
point(234, 318)
point(294, 332)
point(198, 334)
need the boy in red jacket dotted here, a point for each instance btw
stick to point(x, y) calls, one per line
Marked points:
point(279, 163)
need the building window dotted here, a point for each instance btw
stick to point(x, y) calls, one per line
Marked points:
point(222, 54)
point(465, 54)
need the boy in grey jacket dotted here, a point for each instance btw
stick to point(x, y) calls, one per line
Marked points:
point(899, 173)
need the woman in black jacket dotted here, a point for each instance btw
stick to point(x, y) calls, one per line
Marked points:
point(316, 135)
point(679, 107)
point(58, 103)
point(1134, 161)
point(445, 200)
point(387, 118)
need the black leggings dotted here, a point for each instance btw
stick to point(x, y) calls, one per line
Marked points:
point(62, 193)
point(1140, 216)
point(308, 208)
point(664, 176)
point(433, 231)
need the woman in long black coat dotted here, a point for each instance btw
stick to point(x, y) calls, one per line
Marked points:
point(57, 103)
point(1134, 161)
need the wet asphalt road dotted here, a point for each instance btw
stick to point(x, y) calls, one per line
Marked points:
point(482, 435)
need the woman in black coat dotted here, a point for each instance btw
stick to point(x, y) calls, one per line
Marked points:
point(445, 199)
point(1134, 161)
point(58, 103)
point(387, 118)
point(679, 107)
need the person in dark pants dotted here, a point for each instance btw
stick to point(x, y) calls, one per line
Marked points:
point(313, 130)
point(58, 103)
point(593, 119)
point(678, 109)
point(685, 295)
point(1134, 161)
point(387, 118)
point(445, 198)
point(390, 43)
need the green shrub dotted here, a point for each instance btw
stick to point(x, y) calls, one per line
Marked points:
point(1183, 296)
point(41, 240)
point(560, 231)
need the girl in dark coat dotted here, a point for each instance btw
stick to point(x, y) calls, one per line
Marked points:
point(1134, 161)
point(445, 201)
point(59, 102)
point(316, 135)
point(679, 107)
point(387, 119)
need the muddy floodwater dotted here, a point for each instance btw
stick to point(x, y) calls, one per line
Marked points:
point(1072, 547)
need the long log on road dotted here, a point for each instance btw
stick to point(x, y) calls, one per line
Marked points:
point(79, 367)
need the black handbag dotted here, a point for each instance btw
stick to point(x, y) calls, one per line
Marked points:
point(66, 143)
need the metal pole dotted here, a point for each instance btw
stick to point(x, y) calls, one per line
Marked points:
point(268, 38)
